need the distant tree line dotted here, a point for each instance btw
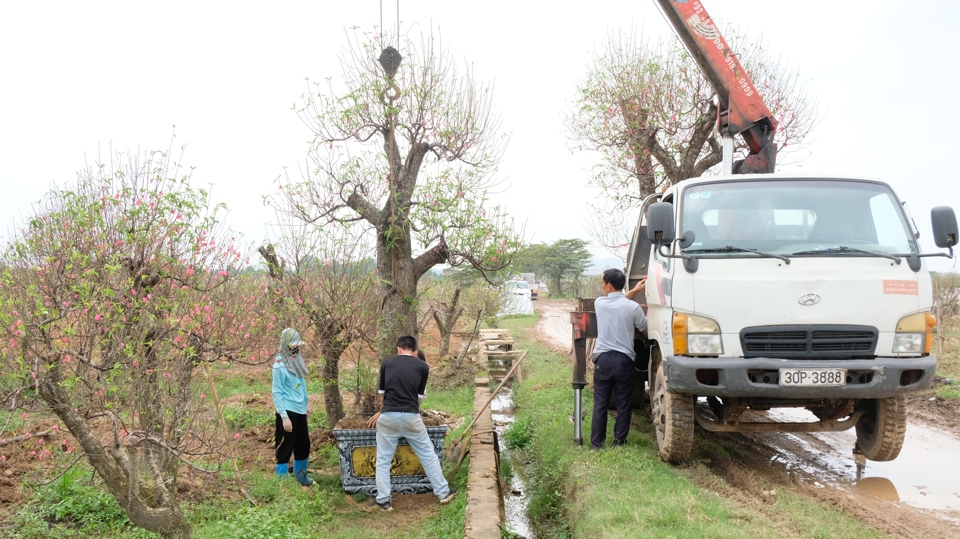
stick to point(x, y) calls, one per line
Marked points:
point(562, 264)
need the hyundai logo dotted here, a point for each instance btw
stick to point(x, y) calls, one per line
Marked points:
point(809, 299)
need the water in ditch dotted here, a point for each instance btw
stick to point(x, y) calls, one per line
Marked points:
point(515, 496)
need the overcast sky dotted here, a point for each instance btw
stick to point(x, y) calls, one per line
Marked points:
point(76, 77)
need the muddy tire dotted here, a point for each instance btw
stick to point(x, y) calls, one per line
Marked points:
point(673, 421)
point(881, 429)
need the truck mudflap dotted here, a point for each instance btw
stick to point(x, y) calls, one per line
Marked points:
point(876, 378)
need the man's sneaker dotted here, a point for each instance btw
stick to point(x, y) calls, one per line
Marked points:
point(374, 505)
point(445, 500)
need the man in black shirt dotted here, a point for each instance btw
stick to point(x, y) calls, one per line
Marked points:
point(403, 384)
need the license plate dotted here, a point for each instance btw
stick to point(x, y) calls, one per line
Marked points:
point(813, 377)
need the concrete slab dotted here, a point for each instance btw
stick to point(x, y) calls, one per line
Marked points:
point(484, 499)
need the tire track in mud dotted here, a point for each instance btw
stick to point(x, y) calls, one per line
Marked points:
point(916, 495)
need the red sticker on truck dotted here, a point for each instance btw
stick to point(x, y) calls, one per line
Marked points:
point(907, 288)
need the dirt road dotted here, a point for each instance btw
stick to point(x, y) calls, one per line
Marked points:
point(916, 495)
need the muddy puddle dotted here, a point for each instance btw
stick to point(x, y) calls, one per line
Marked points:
point(515, 497)
point(924, 475)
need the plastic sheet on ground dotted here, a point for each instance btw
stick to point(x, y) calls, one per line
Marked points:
point(516, 304)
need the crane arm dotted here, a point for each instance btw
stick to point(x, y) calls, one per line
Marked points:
point(741, 109)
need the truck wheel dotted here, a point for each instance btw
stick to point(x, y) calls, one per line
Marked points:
point(672, 419)
point(881, 429)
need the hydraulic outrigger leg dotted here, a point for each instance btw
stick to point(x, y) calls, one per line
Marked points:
point(581, 330)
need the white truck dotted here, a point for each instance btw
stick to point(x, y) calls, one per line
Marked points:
point(781, 291)
point(531, 280)
point(785, 291)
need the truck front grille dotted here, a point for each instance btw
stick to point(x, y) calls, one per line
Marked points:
point(809, 342)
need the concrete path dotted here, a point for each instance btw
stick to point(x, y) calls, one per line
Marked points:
point(484, 499)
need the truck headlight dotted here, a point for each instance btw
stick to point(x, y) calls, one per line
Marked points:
point(908, 342)
point(704, 344)
point(696, 335)
point(914, 333)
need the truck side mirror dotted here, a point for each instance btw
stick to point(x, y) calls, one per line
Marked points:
point(944, 226)
point(660, 228)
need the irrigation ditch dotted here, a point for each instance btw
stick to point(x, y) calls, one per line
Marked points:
point(496, 481)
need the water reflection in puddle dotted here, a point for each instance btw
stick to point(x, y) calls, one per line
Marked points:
point(880, 487)
point(923, 475)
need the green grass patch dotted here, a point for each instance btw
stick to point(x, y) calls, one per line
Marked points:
point(456, 400)
point(949, 392)
point(228, 387)
point(520, 434)
point(13, 421)
point(627, 491)
point(72, 506)
point(245, 417)
point(948, 361)
point(819, 521)
point(78, 507)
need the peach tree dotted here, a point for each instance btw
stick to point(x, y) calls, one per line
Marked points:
point(408, 152)
point(113, 292)
point(644, 106)
point(322, 280)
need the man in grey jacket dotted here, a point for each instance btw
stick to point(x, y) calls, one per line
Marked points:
point(613, 356)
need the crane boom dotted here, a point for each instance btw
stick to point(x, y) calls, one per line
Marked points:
point(742, 110)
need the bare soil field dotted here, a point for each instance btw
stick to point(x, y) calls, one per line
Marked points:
point(916, 495)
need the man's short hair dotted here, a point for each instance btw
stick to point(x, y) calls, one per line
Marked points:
point(408, 343)
point(615, 278)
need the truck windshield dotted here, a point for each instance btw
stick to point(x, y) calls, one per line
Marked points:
point(805, 217)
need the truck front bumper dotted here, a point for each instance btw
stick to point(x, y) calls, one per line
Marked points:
point(759, 377)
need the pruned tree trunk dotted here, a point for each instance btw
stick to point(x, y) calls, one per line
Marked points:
point(446, 317)
point(334, 340)
point(424, 113)
point(400, 273)
point(639, 141)
point(332, 346)
point(119, 468)
point(332, 401)
point(395, 266)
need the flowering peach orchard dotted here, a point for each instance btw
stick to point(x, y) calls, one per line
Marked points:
point(114, 292)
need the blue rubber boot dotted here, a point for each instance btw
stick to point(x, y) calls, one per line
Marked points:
point(300, 472)
point(282, 469)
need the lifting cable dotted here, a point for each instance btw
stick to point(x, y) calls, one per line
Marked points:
point(398, 23)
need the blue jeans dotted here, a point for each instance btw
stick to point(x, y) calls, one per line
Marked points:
point(390, 428)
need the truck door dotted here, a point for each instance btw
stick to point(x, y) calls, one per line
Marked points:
point(638, 255)
point(659, 291)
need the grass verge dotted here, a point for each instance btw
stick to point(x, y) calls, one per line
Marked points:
point(627, 491)
point(948, 361)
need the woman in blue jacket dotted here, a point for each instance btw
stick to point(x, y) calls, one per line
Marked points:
point(290, 400)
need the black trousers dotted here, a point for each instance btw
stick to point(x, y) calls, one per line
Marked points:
point(613, 370)
point(296, 443)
